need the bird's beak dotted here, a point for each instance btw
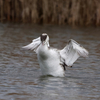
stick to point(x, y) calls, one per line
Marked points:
point(43, 42)
point(43, 39)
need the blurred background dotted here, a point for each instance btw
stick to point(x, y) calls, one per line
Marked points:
point(66, 12)
point(21, 21)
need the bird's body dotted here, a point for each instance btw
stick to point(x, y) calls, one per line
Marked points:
point(53, 61)
point(49, 60)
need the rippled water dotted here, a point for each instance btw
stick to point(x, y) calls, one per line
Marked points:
point(20, 75)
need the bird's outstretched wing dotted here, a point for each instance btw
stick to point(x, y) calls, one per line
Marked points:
point(34, 45)
point(72, 52)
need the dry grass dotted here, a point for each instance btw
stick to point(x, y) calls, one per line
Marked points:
point(71, 12)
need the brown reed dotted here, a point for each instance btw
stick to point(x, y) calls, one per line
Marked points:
point(69, 12)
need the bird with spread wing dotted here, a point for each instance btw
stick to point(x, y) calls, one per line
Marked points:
point(53, 61)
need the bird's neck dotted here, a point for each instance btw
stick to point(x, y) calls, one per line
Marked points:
point(43, 51)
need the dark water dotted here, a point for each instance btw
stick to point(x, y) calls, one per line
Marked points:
point(20, 75)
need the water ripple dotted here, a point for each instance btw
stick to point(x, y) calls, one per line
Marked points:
point(20, 75)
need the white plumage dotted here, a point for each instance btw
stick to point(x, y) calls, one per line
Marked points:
point(53, 61)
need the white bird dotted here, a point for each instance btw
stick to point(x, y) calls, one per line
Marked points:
point(53, 61)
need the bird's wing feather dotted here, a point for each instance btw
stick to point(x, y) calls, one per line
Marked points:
point(34, 45)
point(72, 52)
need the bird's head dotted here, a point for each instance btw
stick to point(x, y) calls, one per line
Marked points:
point(44, 38)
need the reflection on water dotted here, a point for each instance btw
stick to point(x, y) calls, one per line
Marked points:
point(20, 75)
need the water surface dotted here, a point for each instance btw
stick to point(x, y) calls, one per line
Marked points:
point(20, 75)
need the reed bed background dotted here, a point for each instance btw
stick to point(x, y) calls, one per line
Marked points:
point(70, 12)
